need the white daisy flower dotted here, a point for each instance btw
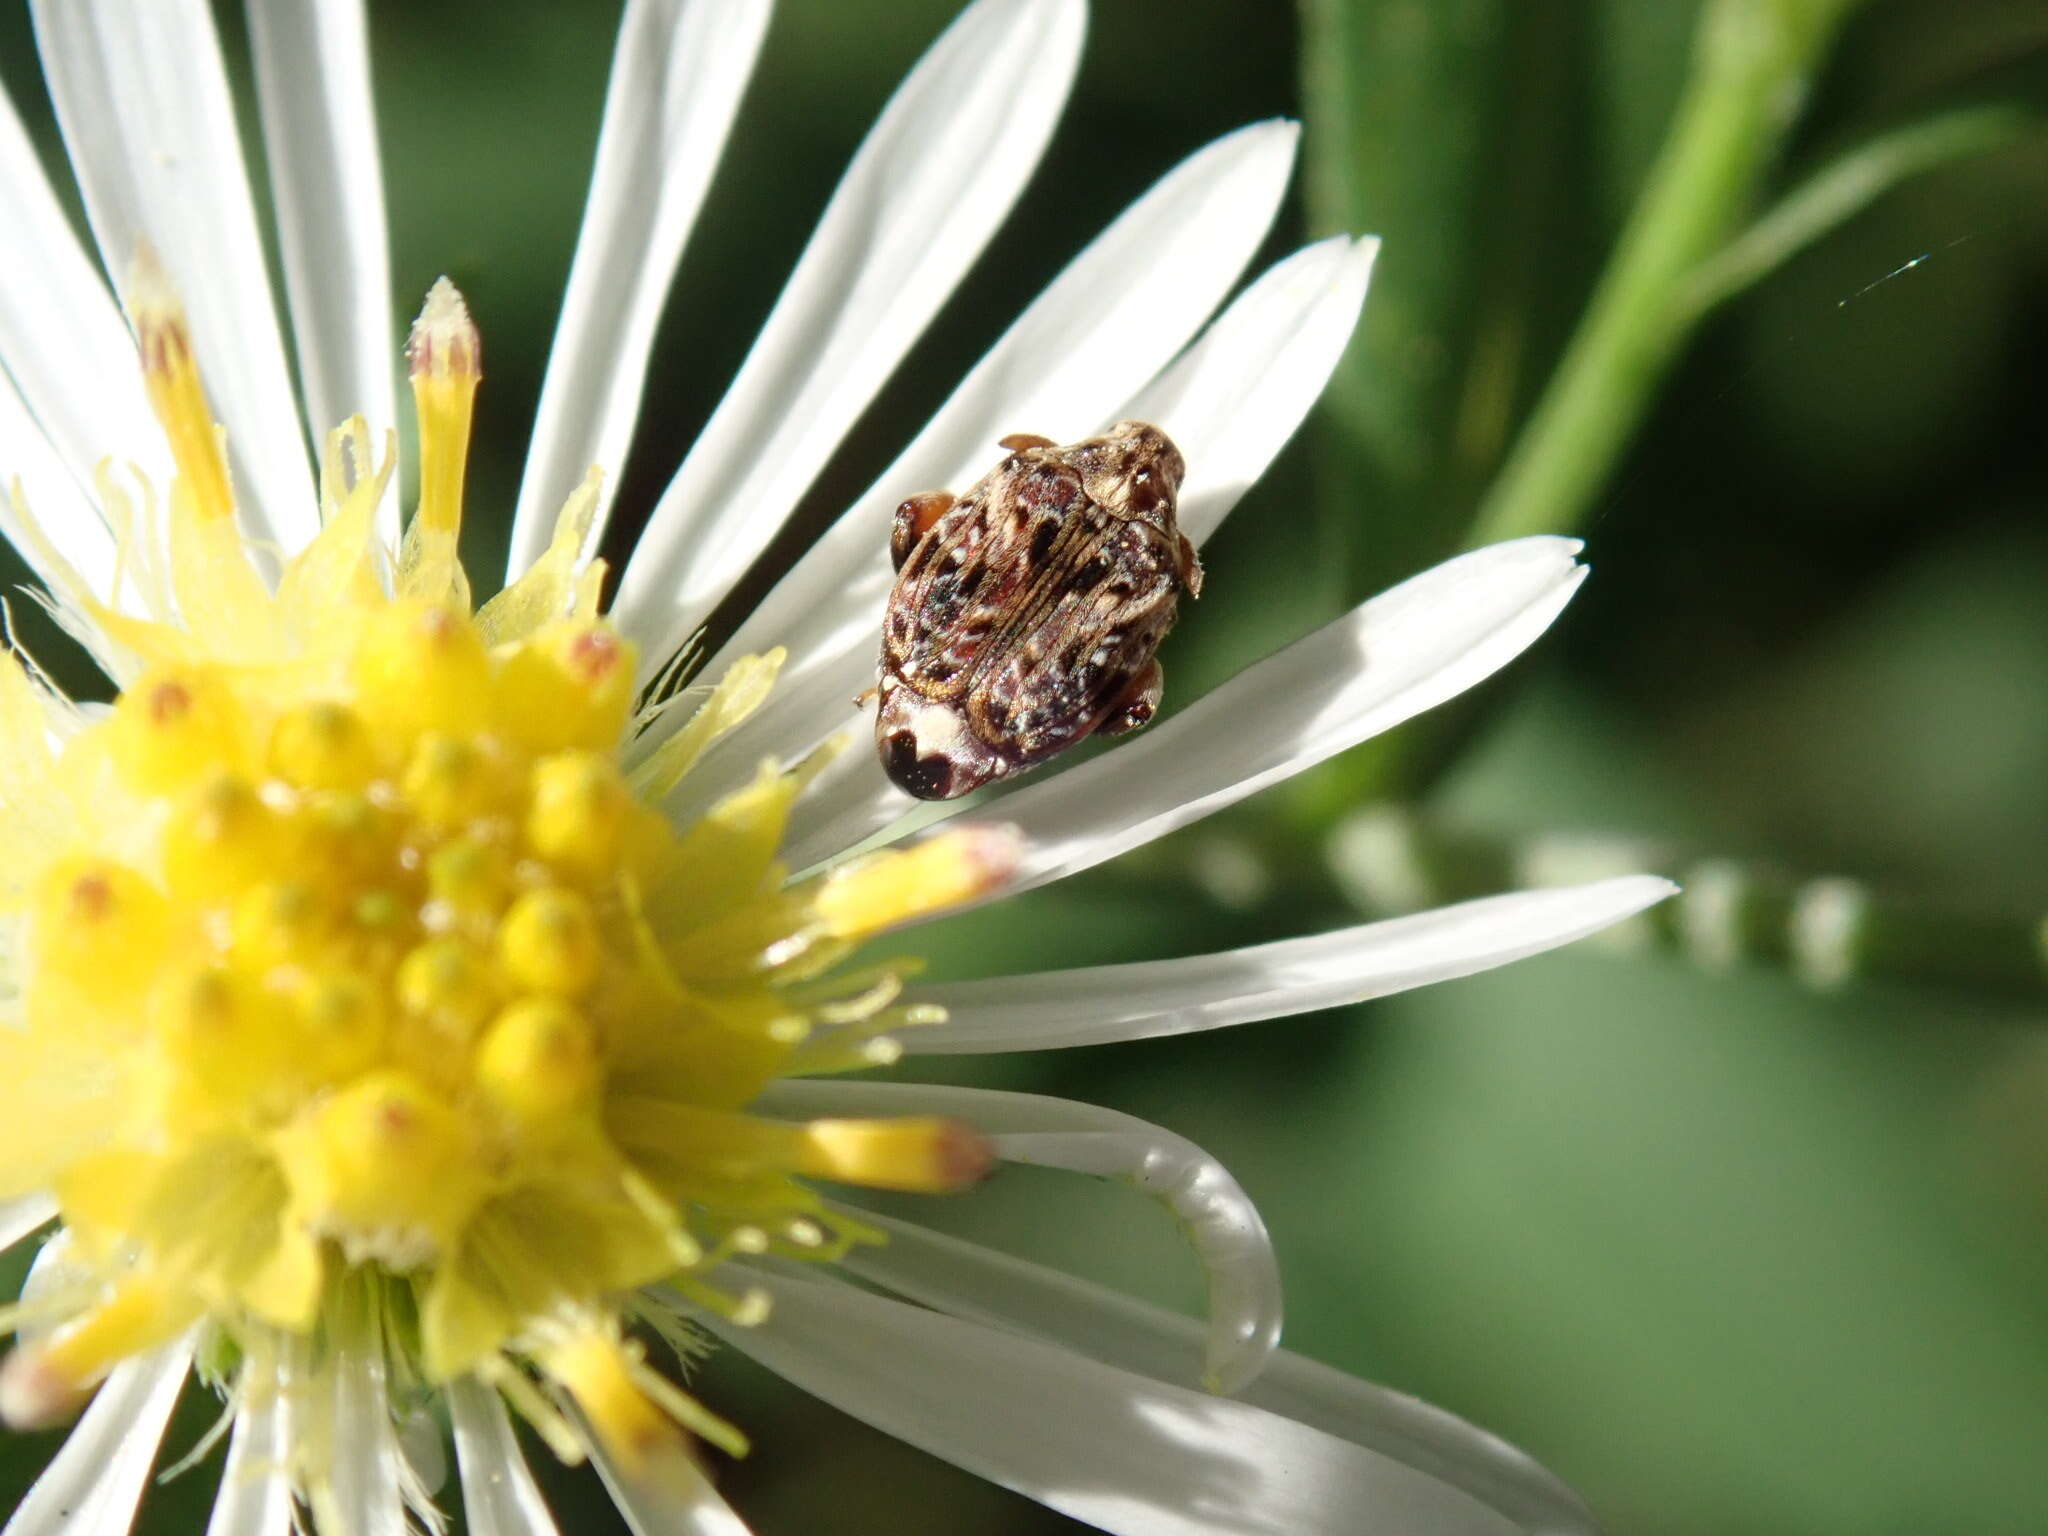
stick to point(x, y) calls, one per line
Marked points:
point(417, 1007)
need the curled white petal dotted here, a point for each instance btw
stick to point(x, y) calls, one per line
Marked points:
point(979, 1284)
point(1220, 1221)
point(320, 140)
point(143, 100)
point(1119, 1451)
point(927, 188)
point(499, 1497)
point(95, 1482)
point(1269, 981)
point(677, 76)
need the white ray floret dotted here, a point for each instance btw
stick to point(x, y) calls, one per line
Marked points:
point(1238, 394)
point(142, 97)
point(1102, 1004)
point(95, 1482)
point(1117, 313)
point(255, 1497)
point(678, 73)
point(320, 138)
point(1222, 1225)
point(1116, 1450)
point(935, 176)
point(62, 338)
point(980, 1285)
point(499, 1496)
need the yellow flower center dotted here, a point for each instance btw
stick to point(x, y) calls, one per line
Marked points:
point(347, 952)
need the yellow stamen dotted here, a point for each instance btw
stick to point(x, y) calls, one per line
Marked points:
point(899, 886)
point(46, 1382)
point(924, 1154)
point(175, 389)
point(446, 357)
point(598, 1374)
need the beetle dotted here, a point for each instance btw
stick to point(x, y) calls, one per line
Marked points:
point(1027, 614)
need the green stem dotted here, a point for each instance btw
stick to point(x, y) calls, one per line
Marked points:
point(1750, 65)
point(1827, 932)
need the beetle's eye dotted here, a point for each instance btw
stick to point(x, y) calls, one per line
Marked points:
point(928, 778)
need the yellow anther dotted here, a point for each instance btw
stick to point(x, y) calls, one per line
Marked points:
point(538, 1061)
point(386, 1167)
point(927, 1154)
point(446, 358)
point(447, 983)
point(470, 878)
point(322, 746)
point(422, 667)
point(948, 870)
point(452, 781)
point(44, 1383)
point(596, 1370)
point(571, 685)
point(219, 840)
point(101, 927)
point(175, 390)
point(549, 943)
point(579, 813)
point(174, 726)
point(280, 923)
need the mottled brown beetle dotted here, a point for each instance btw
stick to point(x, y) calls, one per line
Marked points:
point(1027, 613)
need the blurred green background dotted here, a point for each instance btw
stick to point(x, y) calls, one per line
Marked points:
point(1733, 1253)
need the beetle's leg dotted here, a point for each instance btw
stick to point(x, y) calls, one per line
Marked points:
point(1017, 442)
point(1190, 568)
point(914, 520)
point(1137, 704)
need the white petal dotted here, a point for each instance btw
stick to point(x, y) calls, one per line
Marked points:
point(93, 1485)
point(61, 335)
point(937, 173)
point(255, 1496)
point(22, 1215)
point(1270, 981)
point(499, 1497)
point(143, 101)
point(1108, 322)
point(320, 139)
point(60, 509)
point(1220, 1221)
point(1104, 326)
point(1231, 401)
point(981, 1285)
point(1116, 1450)
point(1403, 652)
point(677, 76)
point(1235, 399)
point(368, 1475)
point(695, 1510)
